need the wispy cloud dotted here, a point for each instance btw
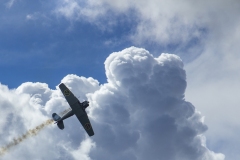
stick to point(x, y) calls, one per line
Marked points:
point(164, 23)
point(10, 3)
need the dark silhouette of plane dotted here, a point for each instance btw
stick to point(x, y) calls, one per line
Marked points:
point(78, 109)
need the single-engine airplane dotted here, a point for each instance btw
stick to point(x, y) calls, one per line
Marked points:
point(78, 109)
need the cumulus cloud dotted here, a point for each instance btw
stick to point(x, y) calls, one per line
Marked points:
point(140, 113)
point(148, 110)
point(30, 105)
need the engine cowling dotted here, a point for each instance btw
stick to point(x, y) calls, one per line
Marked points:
point(85, 104)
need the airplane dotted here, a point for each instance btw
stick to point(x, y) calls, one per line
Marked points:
point(78, 109)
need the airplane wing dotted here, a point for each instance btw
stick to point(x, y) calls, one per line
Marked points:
point(77, 109)
point(71, 99)
point(86, 124)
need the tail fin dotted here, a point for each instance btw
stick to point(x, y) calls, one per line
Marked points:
point(56, 117)
point(58, 120)
point(60, 125)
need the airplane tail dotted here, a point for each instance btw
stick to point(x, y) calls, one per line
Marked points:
point(58, 120)
point(60, 125)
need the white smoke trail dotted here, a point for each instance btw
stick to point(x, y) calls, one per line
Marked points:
point(29, 133)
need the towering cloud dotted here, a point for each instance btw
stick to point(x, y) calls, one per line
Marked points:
point(140, 113)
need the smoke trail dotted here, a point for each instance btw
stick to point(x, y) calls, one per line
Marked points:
point(29, 133)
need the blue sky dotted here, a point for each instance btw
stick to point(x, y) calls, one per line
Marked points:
point(45, 41)
point(46, 46)
point(32, 52)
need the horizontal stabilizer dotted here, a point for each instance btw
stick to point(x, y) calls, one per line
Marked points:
point(56, 117)
point(60, 124)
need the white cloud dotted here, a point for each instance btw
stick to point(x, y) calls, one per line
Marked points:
point(213, 85)
point(34, 16)
point(139, 113)
point(84, 149)
point(173, 22)
point(159, 21)
point(30, 105)
point(78, 9)
point(146, 110)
